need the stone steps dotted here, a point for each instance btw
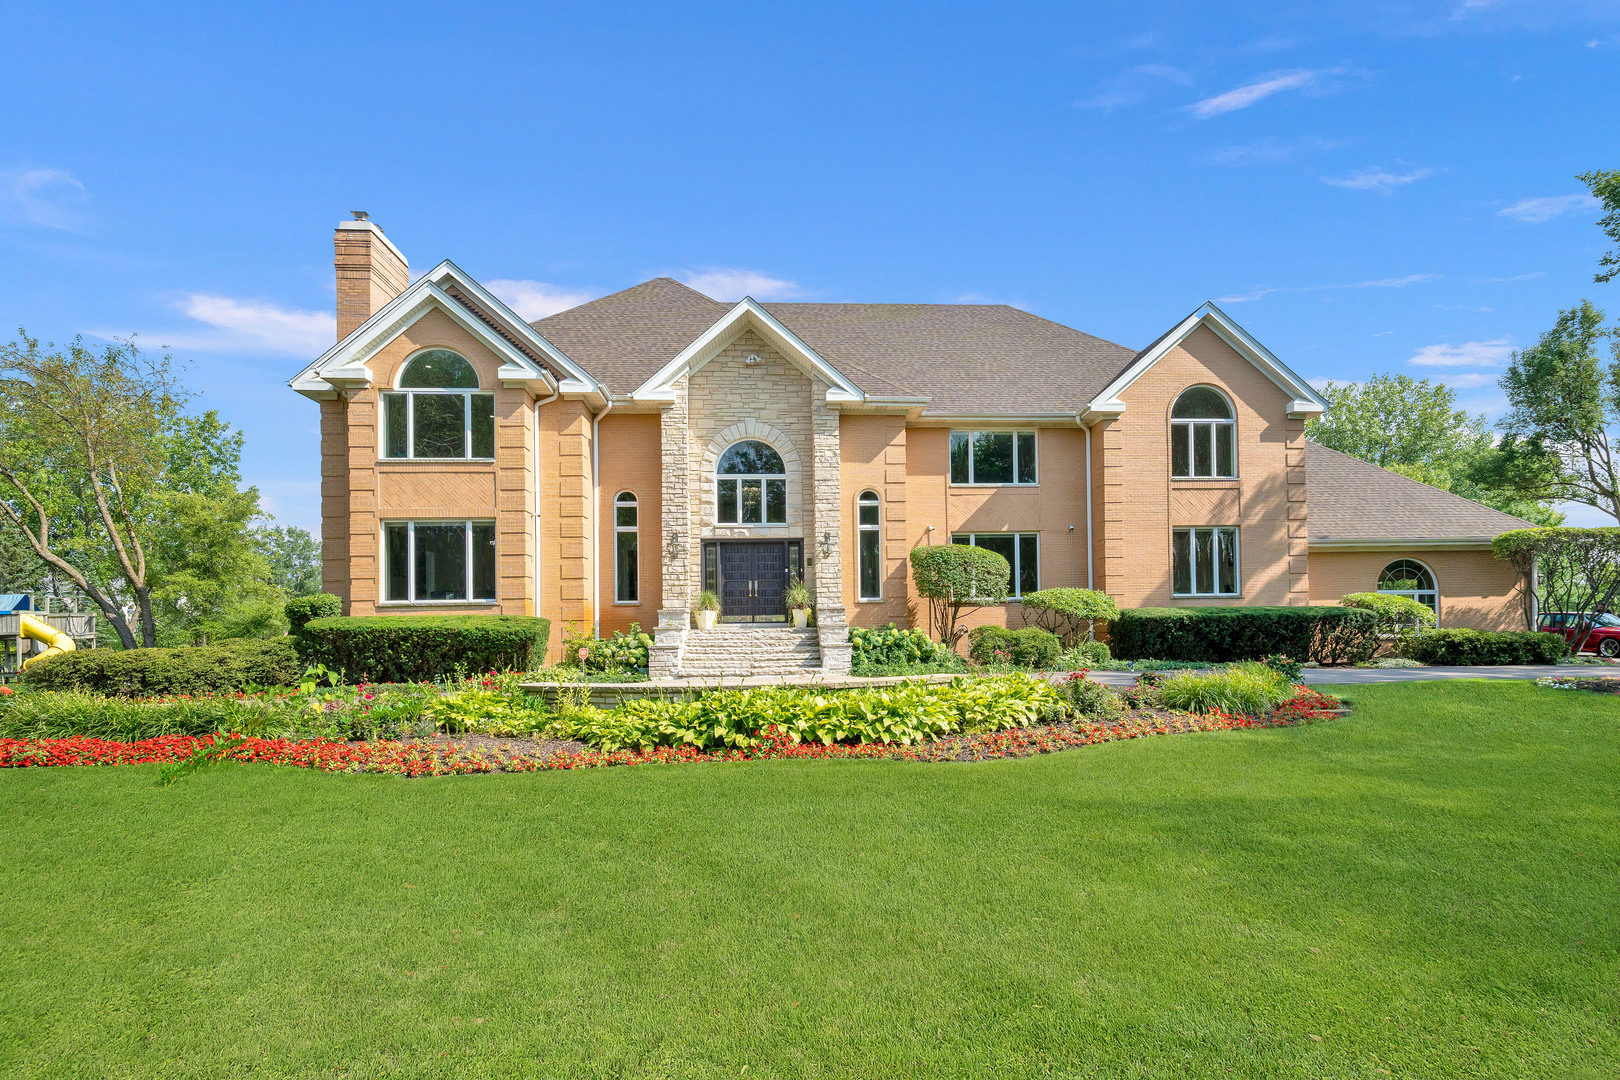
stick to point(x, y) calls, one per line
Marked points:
point(729, 651)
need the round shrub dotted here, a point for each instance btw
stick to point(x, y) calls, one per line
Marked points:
point(1030, 647)
point(1461, 647)
point(302, 609)
point(1069, 612)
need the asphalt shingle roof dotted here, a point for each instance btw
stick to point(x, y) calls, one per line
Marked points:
point(986, 358)
point(1351, 499)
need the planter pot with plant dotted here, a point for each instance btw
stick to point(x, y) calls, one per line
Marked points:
point(706, 610)
point(798, 604)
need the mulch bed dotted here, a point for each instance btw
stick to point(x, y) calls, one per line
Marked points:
point(442, 755)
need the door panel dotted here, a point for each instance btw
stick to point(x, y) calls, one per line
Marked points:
point(770, 585)
point(753, 581)
point(736, 581)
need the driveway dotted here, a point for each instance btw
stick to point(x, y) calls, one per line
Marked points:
point(1358, 676)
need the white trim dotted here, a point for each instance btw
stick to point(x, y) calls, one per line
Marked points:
point(1306, 401)
point(972, 480)
point(345, 365)
point(1412, 594)
point(1090, 551)
point(1395, 543)
point(1192, 452)
point(634, 504)
point(410, 560)
point(746, 314)
point(1192, 570)
point(860, 527)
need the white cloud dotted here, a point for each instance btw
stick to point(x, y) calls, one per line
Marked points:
point(733, 283)
point(1132, 86)
point(1493, 353)
point(535, 299)
point(1248, 94)
point(1270, 150)
point(46, 197)
point(1509, 280)
point(1377, 179)
point(1535, 211)
point(1380, 283)
point(260, 326)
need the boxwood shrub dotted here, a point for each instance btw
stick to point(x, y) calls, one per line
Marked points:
point(1328, 635)
point(1467, 647)
point(229, 666)
point(300, 610)
point(1030, 647)
point(418, 648)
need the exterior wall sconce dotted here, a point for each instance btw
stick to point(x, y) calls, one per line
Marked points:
point(826, 544)
point(751, 359)
point(672, 546)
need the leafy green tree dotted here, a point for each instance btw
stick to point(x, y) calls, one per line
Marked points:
point(293, 556)
point(210, 580)
point(1606, 188)
point(955, 579)
point(1413, 427)
point(1564, 400)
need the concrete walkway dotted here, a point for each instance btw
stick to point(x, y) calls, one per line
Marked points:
point(1360, 676)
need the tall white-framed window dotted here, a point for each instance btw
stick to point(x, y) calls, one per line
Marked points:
point(993, 457)
point(436, 412)
point(1021, 550)
point(427, 562)
point(1203, 435)
point(1410, 578)
point(869, 549)
point(750, 485)
point(626, 540)
point(1204, 562)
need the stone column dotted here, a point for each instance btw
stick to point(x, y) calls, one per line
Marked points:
point(825, 540)
point(674, 540)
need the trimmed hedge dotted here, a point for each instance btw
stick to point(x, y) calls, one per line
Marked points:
point(161, 672)
point(1328, 635)
point(300, 610)
point(1030, 647)
point(419, 648)
point(1469, 647)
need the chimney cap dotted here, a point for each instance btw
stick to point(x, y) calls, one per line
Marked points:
point(360, 215)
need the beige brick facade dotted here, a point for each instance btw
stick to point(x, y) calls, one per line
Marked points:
point(551, 493)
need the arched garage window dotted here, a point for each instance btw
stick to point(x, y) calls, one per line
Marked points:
point(1409, 578)
point(751, 485)
point(1203, 435)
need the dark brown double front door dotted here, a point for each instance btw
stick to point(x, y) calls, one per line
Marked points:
point(753, 577)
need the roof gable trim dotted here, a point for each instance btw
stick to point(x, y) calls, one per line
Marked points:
point(1306, 402)
point(745, 315)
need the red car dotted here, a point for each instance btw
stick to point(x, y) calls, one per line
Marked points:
point(1604, 638)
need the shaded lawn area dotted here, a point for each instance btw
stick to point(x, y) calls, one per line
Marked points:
point(1431, 887)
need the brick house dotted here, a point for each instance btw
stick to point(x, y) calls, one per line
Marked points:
point(602, 466)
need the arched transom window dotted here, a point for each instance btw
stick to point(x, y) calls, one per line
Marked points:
point(750, 485)
point(1407, 577)
point(626, 542)
point(869, 526)
point(1203, 435)
point(437, 412)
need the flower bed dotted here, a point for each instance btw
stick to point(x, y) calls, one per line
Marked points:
point(446, 758)
point(1606, 684)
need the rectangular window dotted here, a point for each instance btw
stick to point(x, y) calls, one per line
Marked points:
point(1204, 562)
point(444, 561)
point(750, 500)
point(1021, 550)
point(993, 457)
point(1203, 450)
point(437, 425)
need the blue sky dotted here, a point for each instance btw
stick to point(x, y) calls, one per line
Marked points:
point(1367, 187)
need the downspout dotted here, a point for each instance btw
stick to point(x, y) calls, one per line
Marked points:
point(1089, 548)
point(596, 517)
point(555, 394)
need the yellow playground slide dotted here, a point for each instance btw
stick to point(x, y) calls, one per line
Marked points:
point(58, 641)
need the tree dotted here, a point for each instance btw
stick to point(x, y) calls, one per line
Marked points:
point(82, 445)
point(210, 580)
point(1564, 398)
point(294, 558)
point(1413, 427)
point(1605, 188)
point(1565, 570)
point(954, 578)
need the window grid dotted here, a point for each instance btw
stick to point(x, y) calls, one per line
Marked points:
point(1203, 446)
point(477, 425)
point(869, 527)
point(403, 562)
point(994, 458)
point(1204, 562)
point(1022, 552)
point(626, 557)
point(757, 496)
point(1410, 578)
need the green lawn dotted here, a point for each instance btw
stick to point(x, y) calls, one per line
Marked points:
point(1431, 887)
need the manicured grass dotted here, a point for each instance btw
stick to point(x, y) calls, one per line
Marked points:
point(1431, 887)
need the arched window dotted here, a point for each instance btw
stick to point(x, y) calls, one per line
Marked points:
point(1203, 435)
point(751, 486)
point(436, 413)
point(1407, 577)
point(626, 534)
point(869, 527)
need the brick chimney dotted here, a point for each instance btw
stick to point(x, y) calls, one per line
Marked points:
point(370, 271)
